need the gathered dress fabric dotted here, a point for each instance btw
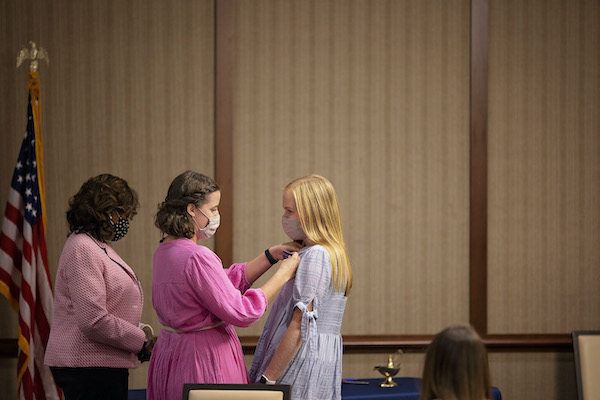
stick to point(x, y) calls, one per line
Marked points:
point(200, 302)
point(315, 372)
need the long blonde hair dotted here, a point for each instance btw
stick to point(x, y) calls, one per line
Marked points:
point(456, 366)
point(321, 221)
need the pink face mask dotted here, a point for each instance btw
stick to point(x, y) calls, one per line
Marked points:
point(292, 228)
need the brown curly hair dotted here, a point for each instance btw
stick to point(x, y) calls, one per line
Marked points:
point(189, 187)
point(90, 209)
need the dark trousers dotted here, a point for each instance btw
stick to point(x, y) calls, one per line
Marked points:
point(92, 383)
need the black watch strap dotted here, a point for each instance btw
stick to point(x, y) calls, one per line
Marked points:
point(270, 257)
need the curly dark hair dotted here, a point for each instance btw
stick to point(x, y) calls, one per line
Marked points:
point(189, 187)
point(90, 209)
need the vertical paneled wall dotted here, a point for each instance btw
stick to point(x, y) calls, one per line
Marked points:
point(129, 91)
point(544, 185)
point(373, 95)
point(544, 166)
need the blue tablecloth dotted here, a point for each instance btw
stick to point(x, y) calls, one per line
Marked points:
point(138, 394)
point(407, 389)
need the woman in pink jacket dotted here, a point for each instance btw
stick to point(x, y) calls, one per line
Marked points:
point(198, 301)
point(96, 333)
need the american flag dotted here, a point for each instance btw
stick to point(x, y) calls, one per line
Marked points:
point(24, 277)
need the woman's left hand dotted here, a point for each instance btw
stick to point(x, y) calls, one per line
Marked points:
point(277, 251)
point(146, 352)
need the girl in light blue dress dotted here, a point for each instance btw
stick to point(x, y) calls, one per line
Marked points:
point(301, 343)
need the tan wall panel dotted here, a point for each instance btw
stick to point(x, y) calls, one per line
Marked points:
point(374, 96)
point(544, 166)
point(129, 91)
point(526, 376)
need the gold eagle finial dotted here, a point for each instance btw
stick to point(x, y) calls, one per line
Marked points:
point(34, 54)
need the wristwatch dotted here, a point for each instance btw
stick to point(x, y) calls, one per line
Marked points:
point(266, 381)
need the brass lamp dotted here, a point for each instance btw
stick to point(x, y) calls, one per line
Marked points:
point(390, 370)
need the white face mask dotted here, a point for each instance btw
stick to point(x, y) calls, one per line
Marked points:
point(210, 229)
point(292, 228)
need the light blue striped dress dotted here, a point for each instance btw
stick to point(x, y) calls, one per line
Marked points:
point(315, 372)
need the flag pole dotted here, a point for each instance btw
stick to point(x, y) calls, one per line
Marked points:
point(35, 91)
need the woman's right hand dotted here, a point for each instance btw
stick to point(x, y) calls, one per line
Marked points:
point(277, 251)
point(285, 272)
point(289, 266)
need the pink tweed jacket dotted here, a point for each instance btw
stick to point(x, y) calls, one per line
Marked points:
point(97, 308)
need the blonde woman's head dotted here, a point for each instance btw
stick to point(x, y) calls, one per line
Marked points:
point(319, 215)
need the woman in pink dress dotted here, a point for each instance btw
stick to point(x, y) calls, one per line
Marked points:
point(198, 301)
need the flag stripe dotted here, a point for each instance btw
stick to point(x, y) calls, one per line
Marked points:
point(41, 322)
point(10, 248)
point(38, 386)
point(10, 292)
point(45, 378)
point(25, 308)
point(42, 254)
point(13, 215)
point(11, 240)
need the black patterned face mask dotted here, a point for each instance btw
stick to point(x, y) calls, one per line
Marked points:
point(120, 228)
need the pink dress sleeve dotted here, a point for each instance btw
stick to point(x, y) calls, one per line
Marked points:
point(224, 292)
point(237, 275)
